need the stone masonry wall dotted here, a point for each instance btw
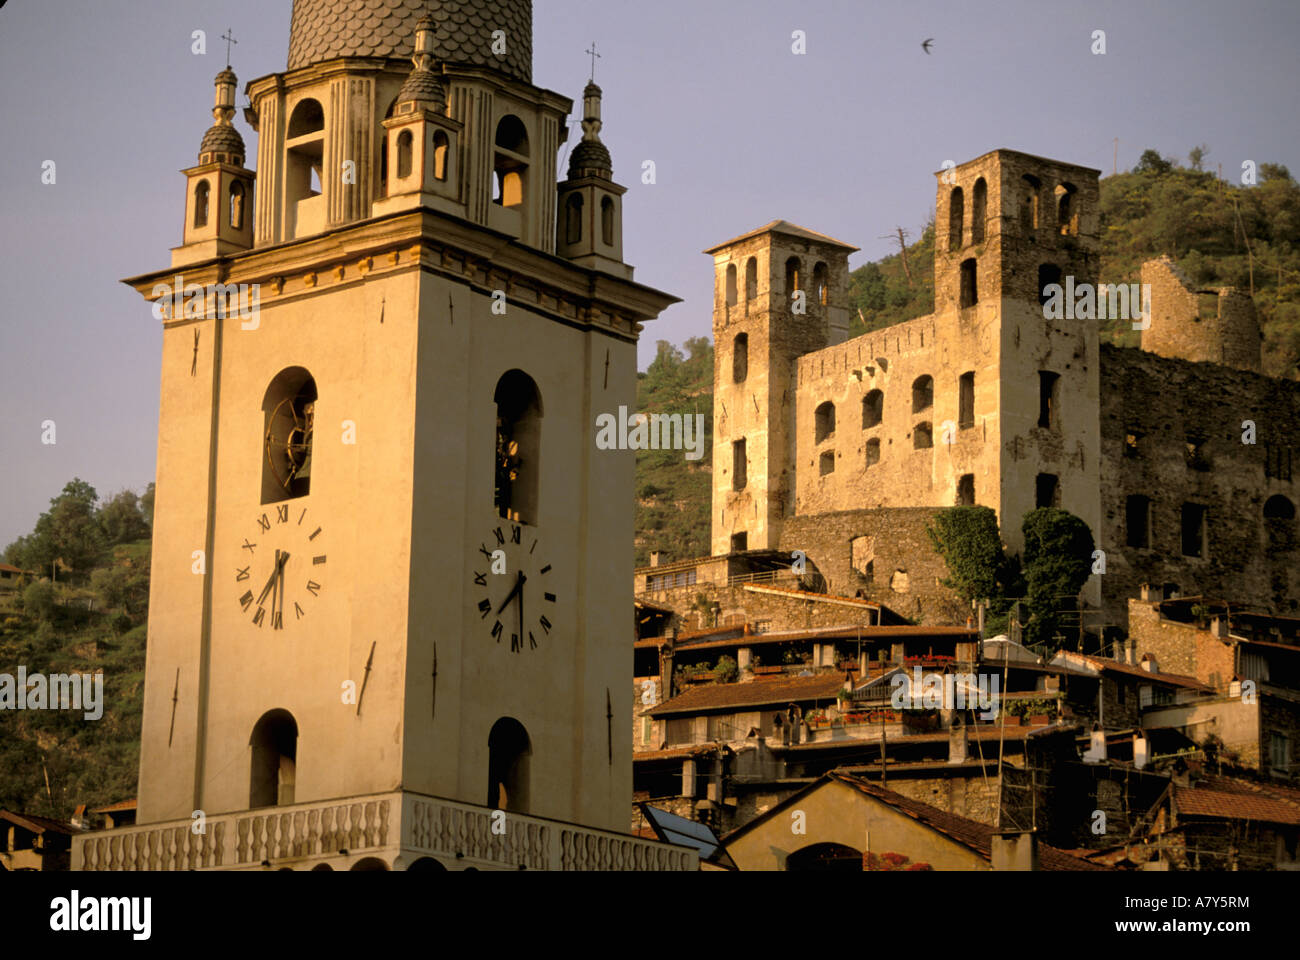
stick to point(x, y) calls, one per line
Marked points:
point(904, 568)
point(1171, 431)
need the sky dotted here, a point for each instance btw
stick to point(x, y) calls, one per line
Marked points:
point(843, 139)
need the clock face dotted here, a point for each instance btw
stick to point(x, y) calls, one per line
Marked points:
point(514, 586)
point(285, 562)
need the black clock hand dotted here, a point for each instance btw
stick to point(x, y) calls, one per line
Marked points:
point(275, 572)
point(519, 583)
point(279, 589)
point(522, 581)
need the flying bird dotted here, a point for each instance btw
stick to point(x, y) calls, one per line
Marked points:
point(925, 45)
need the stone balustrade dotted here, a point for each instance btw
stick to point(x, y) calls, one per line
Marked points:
point(398, 829)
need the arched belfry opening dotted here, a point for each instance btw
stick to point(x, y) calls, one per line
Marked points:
point(274, 748)
point(509, 753)
point(518, 446)
point(511, 164)
point(304, 153)
point(289, 413)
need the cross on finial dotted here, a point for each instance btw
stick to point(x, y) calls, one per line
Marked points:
point(594, 56)
point(229, 37)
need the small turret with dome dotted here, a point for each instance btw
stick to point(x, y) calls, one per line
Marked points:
point(420, 140)
point(219, 195)
point(222, 142)
point(589, 227)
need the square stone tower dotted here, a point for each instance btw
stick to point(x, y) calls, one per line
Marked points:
point(780, 291)
point(1007, 226)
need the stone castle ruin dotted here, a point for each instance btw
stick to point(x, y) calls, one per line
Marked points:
point(844, 448)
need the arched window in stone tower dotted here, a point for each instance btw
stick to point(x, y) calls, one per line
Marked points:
point(1029, 190)
point(824, 418)
point(731, 285)
point(1279, 523)
point(793, 278)
point(518, 446)
point(405, 148)
point(978, 210)
point(509, 753)
point(1048, 274)
point(956, 216)
point(607, 221)
point(751, 279)
point(966, 400)
point(573, 218)
point(440, 147)
point(511, 163)
point(740, 358)
point(1067, 217)
point(236, 205)
point(873, 408)
point(202, 194)
point(274, 748)
point(922, 393)
point(969, 294)
point(821, 283)
point(289, 411)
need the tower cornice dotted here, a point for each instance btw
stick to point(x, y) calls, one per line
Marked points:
point(437, 243)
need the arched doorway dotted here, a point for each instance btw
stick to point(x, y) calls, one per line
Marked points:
point(825, 856)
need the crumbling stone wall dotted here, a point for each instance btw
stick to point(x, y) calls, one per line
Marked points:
point(904, 571)
point(1172, 431)
point(1224, 332)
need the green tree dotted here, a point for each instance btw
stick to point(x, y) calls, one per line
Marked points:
point(146, 504)
point(1152, 162)
point(39, 601)
point(968, 540)
point(121, 519)
point(69, 531)
point(1057, 563)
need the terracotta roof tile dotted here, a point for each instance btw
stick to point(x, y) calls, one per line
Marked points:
point(35, 824)
point(1234, 805)
point(717, 696)
point(788, 229)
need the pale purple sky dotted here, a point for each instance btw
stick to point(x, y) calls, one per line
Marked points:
point(843, 140)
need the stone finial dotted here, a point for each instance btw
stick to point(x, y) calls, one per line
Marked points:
point(222, 141)
point(590, 157)
point(424, 86)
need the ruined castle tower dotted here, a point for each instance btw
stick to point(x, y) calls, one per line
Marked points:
point(1216, 326)
point(779, 292)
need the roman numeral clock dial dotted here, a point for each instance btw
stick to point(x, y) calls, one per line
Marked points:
point(280, 568)
point(517, 598)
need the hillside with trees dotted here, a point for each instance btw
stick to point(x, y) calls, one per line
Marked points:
point(672, 493)
point(79, 608)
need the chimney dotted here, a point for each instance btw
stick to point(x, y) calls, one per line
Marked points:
point(1140, 750)
point(1144, 591)
point(1015, 850)
point(1219, 628)
point(654, 558)
point(957, 743)
point(1149, 663)
point(1096, 752)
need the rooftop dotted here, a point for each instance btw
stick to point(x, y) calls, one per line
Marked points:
point(786, 228)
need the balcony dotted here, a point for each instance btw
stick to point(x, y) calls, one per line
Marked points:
point(389, 831)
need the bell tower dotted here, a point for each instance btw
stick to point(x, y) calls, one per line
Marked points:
point(387, 550)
